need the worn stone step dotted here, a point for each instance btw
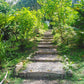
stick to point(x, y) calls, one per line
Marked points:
point(47, 46)
point(46, 51)
point(44, 81)
point(50, 37)
point(46, 40)
point(49, 32)
point(47, 35)
point(44, 70)
point(45, 43)
point(46, 58)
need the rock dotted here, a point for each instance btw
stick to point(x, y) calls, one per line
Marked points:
point(69, 73)
point(74, 66)
point(18, 67)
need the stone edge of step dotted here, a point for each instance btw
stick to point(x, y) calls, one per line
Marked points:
point(44, 74)
point(46, 52)
point(47, 46)
point(45, 60)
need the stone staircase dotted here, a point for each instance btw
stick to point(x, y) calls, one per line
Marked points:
point(46, 63)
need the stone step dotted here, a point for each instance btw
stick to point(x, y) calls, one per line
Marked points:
point(46, 58)
point(45, 43)
point(44, 81)
point(48, 32)
point(47, 46)
point(47, 35)
point(44, 70)
point(46, 40)
point(46, 51)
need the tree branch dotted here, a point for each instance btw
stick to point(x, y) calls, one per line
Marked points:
point(4, 78)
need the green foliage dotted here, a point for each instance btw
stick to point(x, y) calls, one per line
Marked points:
point(80, 8)
point(2, 23)
point(27, 3)
point(18, 30)
point(80, 39)
point(2, 50)
point(64, 18)
point(68, 34)
point(4, 6)
point(70, 37)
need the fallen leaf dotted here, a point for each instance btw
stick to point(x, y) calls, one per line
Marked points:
point(48, 70)
point(80, 79)
point(31, 70)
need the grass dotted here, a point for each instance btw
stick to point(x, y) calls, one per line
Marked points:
point(75, 55)
point(17, 55)
point(10, 65)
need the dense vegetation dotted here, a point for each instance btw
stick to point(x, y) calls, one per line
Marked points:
point(27, 3)
point(17, 29)
point(19, 25)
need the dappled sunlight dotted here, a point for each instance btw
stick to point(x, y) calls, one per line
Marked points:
point(45, 37)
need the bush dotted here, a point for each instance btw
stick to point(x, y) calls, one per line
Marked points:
point(71, 37)
point(80, 39)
